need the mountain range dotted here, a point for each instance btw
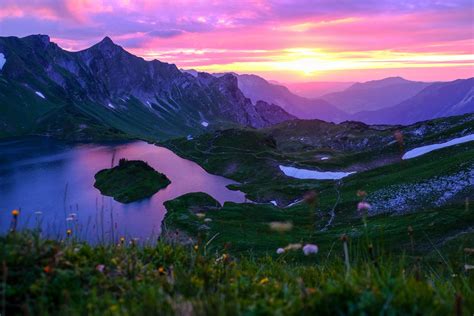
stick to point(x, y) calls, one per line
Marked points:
point(256, 88)
point(439, 99)
point(106, 92)
point(374, 95)
point(388, 101)
point(104, 89)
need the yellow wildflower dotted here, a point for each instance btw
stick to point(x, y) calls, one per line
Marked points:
point(264, 281)
point(161, 270)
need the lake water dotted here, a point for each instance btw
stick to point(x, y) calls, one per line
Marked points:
point(48, 180)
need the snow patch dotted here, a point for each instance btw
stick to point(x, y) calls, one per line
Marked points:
point(110, 105)
point(324, 158)
point(274, 203)
point(313, 174)
point(205, 124)
point(429, 148)
point(190, 137)
point(40, 94)
point(3, 60)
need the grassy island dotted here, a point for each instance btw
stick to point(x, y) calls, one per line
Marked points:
point(130, 181)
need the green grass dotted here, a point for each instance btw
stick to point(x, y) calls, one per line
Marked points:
point(244, 228)
point(252, 157)
point(130, 181)
point(66, 277)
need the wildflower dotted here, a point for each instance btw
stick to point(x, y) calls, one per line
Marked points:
point(363, 206)
point(293, 247)
point(14, 221)
point(398, 137)
point(224, 258)
point(48, 269)
point(207, 220)
point(68, 232)
point(69, 219)
point(161, 270)
point(280, 251)
point(362, 194)
point(200, 215)
point(468, 267)
point(281, 226)
point(122, 240)
point(469, 250)
point(310, 197)
point(263, 281)
point(196, 247)
point(100, 268)
point(309, 249)
point(310, 290)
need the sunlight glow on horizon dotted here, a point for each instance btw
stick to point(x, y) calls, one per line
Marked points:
point(298, 40)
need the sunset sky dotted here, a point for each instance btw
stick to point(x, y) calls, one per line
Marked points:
point(284, 40)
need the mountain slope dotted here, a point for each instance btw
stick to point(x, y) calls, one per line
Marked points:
point(374, 95)
point(117, 89)
point(437, 100)
point(256, 88)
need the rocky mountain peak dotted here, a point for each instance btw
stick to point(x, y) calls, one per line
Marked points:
point(106, 41)
point(107, 46)
point(38, 40)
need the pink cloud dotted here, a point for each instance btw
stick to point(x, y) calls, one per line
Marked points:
point(222, 33)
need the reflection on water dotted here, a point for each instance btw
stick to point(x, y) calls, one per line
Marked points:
point(56, 179)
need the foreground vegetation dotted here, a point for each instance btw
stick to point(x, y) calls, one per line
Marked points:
point(130, 181)
point(71, 278)
point(414, 257)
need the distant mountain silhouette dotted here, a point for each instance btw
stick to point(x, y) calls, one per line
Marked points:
point(374, 95)
point(316, 89)
point(257, 88)
point(437, 100)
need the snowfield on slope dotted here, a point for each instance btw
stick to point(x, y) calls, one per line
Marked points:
point(40, 94)
point(2, 60)
point(429, 148)
point(313, 174)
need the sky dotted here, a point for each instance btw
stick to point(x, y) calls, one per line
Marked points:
point(282, 40)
